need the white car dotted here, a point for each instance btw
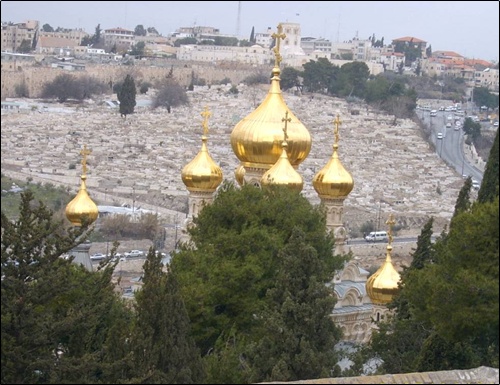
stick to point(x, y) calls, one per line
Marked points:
point(97, 257)
point(134, 254)
point(440, 135)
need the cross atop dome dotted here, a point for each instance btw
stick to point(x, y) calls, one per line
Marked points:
point(276, 49)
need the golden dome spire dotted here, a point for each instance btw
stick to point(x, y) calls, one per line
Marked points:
point(256, 139)
point(383, 284)
point(282, 172)
point(333, 180)
point(82, 206)
point(202, 173)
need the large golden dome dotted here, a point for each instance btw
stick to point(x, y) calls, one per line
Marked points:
point(282, 172)
point(81, 206)
point(202, 173)
point(333, 180)
point(256, 139)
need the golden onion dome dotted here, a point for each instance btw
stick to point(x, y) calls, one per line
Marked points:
point(81, 206)
point(202, 173)
point(333, 180)
point(256, 139)
point(282, 172)
point(382, 286)
point(240, 174)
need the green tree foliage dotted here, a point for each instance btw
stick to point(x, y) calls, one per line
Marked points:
point(138, 49)
point(164, 352)
point(489, 185)
point(483, 97)
point(185, 41)
point(471, 128)
point(126, 96)
point(256, 78)
point(450, 317)
point(463, 200)
point(139, 30)
point(60, 322)
point(233, 257)
point(290, 78)
point(153, 31)
point(298, 334)
point(25, 46)
point(352, 79)
point(252, 36)
point(170, 94)
point(466, 275)
point(244, 43)
point(21, 89)
point(318, 75)
point(67, 86)
point(47, 28)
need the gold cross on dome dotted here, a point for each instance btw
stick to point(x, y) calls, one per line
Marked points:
point(205, 114)
point(337, 124)
point(390, 222)
point(84, 152)
point(276, 49)
point(286, 119)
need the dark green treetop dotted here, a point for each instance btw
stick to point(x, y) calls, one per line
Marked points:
point(126, 96)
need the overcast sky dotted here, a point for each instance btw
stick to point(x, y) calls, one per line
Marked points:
point(470, 28)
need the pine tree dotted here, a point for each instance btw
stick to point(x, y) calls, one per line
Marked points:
point(126, 96)
point(164, 352)
point(489, 184)
point(232, 260)
point(58, 319)
point(463, 200)
point(298, 333)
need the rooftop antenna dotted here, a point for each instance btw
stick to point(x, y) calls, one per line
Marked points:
point(238, 20)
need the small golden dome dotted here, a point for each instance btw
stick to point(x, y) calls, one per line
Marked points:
point(333, 180)
point(202, 173)
point(240, 174)
point(283, 173)
point(382, 286)
point(81, 206)
point(256, 139)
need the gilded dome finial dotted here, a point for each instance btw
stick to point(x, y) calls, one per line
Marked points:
point(85, 151)
point(276, 49)
point(390, 222)
point(205, 114)
point(337, 122)
point(286, 119)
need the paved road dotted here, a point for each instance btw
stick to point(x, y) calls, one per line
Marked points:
point(450, 148)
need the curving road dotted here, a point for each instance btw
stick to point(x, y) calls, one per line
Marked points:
point(450, 148)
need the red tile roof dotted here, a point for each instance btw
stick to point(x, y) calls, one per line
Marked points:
point(410, 39)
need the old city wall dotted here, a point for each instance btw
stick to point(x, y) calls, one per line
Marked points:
point(35, 76)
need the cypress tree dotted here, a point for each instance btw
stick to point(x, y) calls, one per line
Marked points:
point(489, 184)
point(164, 352)
point(126, 96)
point(463, 200)
point(298, 334)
